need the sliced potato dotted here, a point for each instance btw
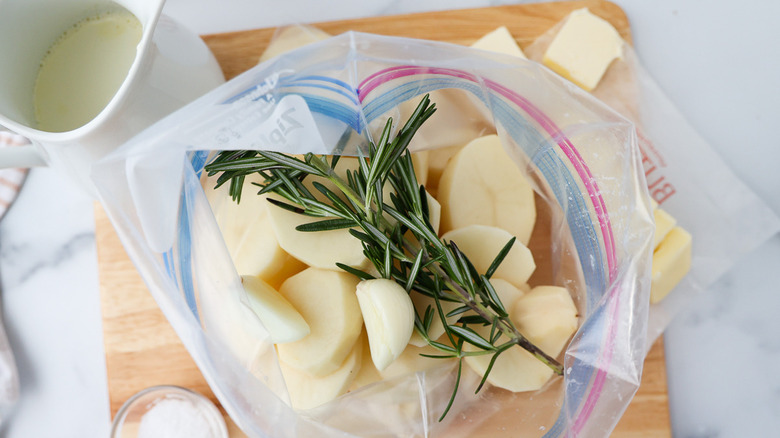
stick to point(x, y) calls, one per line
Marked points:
point(319, 249)
point(546, 315)
point(326, 300)
point(308, 391)
point(481, 244)
point(421, 303)
point(482, 185)
point(247, 231)
point(515, 370)
point(411, 361)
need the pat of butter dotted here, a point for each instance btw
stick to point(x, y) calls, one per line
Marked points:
point(499, 41)
point(664, 223)
point(671, 261)
point(583, 49)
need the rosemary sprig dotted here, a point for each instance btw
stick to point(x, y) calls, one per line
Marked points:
point(406, 248)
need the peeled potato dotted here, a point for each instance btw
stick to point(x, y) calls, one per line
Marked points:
point(326, 300)
point(434, 212)
point(319, 249)
point(247, 231)
point(411, 361)
point(481, 244)
point(368, 373)
point(421, 302)
point(515, 370)
point(420, 161)
point(546, 315)
point(308, 391)
point(507, 293)
point(290, 266)
point(482, 185)
point(437, 161)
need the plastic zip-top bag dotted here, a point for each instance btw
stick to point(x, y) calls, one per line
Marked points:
point(592, 236)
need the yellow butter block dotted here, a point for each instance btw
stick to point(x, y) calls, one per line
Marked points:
point(664, 223)
point(499, 41)
point(583, 49)
point(671, 261)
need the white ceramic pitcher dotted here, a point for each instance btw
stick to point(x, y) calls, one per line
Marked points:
point(172, 67)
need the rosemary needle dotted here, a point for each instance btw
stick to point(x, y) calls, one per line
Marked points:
point(407, 250)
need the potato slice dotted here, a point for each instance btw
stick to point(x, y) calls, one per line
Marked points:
point(420, 160)
point(515, 370)
point(320, 249)
point(437, 162)
point(326, 300)
point(482, 185)
point(410, 361)
point(290, 266)
point(368, 373)
point(507, 293)
point(546, 315)
point(421, 302)
point(308, 391)
point(482, 243)
point(247, 230)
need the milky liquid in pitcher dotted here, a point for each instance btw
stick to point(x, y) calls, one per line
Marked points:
point(83, 70)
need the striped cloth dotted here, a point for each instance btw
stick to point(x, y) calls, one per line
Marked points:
point(10, 179)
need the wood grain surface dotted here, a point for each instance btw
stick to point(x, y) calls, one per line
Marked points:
point(142, 349)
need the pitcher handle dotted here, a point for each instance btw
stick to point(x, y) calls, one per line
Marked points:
point(20, 153)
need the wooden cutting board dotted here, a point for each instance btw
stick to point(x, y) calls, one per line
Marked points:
point(142, 349)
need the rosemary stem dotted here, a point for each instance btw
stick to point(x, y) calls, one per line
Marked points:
point(504, 326)
point(337, 181)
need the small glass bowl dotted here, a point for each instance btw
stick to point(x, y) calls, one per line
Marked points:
point(176, 409)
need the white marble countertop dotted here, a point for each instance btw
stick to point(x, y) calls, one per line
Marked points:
point(722, 352)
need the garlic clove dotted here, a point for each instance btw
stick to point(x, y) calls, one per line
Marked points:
point(283, 322)
point(388, 314)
